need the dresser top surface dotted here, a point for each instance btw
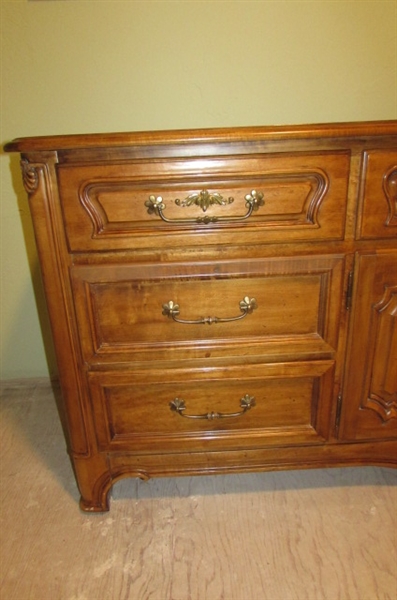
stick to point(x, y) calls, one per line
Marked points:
point(203, 136)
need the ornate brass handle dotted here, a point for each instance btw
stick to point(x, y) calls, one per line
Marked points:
point(247, 306)
point(247, 402)
point(204, 199)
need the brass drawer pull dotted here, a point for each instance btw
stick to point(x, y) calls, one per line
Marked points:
point(247, 402)
point(204, 199)
point(247, 306)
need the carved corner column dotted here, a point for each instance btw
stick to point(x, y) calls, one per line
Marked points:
point(39, 179)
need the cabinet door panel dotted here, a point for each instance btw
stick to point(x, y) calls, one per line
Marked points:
point(370, 393)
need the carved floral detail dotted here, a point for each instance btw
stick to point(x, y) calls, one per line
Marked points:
point(30, 176)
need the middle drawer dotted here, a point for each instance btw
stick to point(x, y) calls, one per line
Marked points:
point(139, 312)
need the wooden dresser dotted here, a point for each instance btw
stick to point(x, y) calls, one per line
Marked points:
point(221, 300)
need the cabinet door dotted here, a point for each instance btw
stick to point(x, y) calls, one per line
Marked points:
point(369, 407)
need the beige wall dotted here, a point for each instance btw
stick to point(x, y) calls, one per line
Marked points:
point(89, 66)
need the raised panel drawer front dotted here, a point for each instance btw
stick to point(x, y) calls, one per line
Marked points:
point(116, 206)
point(287, 403)
point(379, 195)
point(274, 306)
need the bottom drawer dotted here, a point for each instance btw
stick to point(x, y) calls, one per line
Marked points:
point(230, 408)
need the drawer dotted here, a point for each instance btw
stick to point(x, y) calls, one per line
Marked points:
point(378, 195)
point(172, 311)
point(140, 204)
point(233, 408)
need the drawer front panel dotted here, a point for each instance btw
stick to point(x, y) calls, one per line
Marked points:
point(108, 206)
point(289, 403)
point(124, 311)
point(379, 195)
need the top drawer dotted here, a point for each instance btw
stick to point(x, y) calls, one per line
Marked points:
point(169, 202)
point(379, 195)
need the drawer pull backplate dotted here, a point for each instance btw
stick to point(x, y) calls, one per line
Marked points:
point(247, 306)
point(247, 402)
point(204, 199)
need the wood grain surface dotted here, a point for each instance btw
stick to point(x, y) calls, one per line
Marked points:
point(303, 535)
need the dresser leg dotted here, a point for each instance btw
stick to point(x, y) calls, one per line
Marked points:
point(94, 480)
point(90, 506)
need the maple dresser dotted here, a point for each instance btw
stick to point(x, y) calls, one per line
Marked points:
point(221, 300)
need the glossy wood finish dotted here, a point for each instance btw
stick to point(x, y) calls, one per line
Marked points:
point(292, 406)
point(372, 368)
point(379, 182)
point(120, 316)
point(302, 193)
point(317, 256)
